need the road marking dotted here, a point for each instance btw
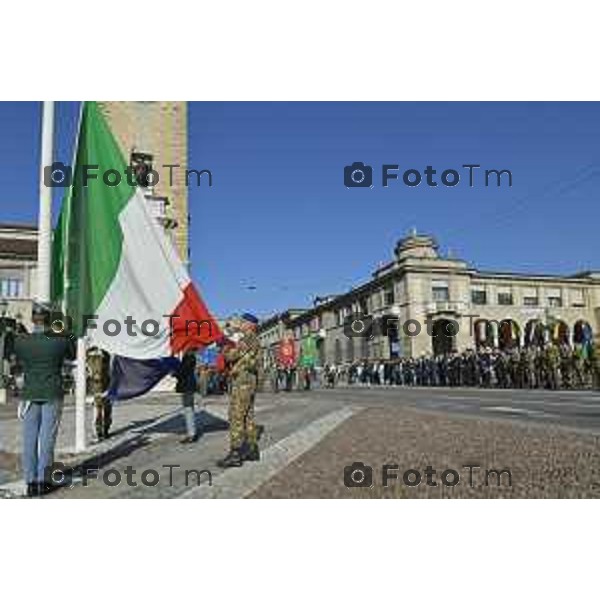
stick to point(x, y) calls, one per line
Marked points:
point(241, 482)
point(515, 410)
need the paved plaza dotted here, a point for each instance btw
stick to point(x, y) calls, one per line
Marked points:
point(549, 441)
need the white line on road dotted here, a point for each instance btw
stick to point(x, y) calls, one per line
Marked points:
point(241, 482)
point(516, 410)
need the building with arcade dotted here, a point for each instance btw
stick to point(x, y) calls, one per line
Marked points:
point(425, 303)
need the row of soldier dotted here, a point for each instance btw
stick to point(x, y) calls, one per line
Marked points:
point(546, 367)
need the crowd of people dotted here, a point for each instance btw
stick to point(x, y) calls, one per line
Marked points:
point(547, 366)
point(544, 367)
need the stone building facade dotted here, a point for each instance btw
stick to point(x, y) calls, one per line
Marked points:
point(18, 270)
point(156, 133)
point(425, 303)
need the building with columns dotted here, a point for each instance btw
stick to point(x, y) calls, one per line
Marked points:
point(433, 304)
point(18, 270)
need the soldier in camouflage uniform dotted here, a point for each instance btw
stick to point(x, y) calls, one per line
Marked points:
point(530, 354)
point(540, 368)
point(551, 363)
point(243, 362)
point(578, 366)
point(98, 366)
point(502, 368)
point(565, 366)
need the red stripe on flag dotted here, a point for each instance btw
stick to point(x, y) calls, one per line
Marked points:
point(192, 325)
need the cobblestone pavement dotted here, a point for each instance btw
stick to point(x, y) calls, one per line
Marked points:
point(544, 461)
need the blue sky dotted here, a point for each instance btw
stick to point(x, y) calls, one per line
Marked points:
point(279, 219)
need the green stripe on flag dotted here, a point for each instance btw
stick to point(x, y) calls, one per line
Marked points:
point(88, 239)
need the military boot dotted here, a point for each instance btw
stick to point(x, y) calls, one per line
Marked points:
point(250, 452)
point(233, 459)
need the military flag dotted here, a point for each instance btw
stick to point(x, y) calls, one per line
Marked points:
point(114, 261)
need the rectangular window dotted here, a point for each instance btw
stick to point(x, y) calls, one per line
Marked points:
point(554, 297)
point(17, 288)
point(530, 297)
point(440, 291)
point(11, 288)
point(364, 306)
point(554, 301)
point(388, 296)
point(478, 296)
point(505, 297)
point(376, 301)
point(577, 297)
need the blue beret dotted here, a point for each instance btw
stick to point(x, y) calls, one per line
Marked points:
point(249, 317)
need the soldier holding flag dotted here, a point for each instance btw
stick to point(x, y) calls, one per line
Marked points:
point(243, 362)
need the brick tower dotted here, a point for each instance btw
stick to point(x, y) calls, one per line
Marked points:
point(156, 133)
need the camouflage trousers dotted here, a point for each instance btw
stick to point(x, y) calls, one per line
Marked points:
point(103, 416)
point(242, 427)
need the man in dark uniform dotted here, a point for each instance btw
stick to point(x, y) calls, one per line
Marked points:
point(485, 367)
point(41, 357)
point(442, 366)
point(186, 386)
point(454, 369)
point(243, 362)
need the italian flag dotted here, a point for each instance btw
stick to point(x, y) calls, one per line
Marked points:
point(113, 265)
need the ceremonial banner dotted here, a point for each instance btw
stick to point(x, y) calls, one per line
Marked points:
point(286, 356)
point(308, 356)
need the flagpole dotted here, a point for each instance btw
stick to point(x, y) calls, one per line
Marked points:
point(80, 396)
point(80, 363)
point(45, 209)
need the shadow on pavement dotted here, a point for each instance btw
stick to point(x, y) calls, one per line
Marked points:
point(205, 423)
